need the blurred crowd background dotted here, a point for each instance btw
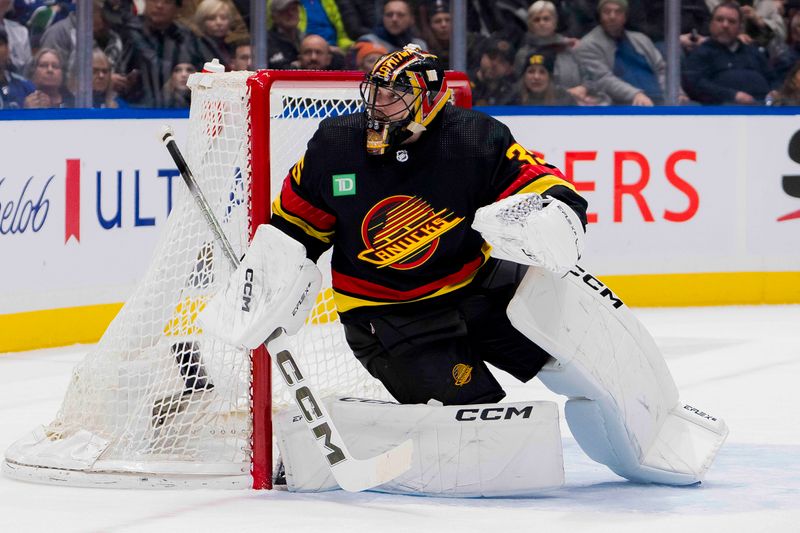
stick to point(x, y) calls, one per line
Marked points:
point(518, 52)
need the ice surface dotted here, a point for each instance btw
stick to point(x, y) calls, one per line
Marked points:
point(741, 363)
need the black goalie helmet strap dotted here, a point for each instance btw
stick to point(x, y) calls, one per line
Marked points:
point(413, 76)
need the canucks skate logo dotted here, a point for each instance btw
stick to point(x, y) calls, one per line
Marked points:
point(402, 232)
point(462, 374)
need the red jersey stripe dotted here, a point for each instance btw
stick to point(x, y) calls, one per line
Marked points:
point(529, 174)
point(373, 291)
point(292, 203)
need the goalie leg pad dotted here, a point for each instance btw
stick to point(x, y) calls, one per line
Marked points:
point(275, 286)
point(623, 409)
point(511, 449)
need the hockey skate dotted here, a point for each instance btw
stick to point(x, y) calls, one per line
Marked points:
point(196, 382)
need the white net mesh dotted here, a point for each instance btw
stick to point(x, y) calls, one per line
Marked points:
point(296, 109)
point(155, 386)
point(156, 395)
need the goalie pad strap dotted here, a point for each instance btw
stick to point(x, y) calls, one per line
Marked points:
point(511, 449)
point(275, 286)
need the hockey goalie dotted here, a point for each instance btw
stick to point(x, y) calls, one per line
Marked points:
point(455, 248)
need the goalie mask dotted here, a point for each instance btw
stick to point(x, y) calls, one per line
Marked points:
point(402, 94)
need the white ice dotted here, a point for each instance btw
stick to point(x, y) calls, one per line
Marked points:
point(741, 363)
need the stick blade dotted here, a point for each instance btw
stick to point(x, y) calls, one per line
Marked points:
point(355, 475)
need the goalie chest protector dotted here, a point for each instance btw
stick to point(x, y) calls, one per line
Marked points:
point(401, 222)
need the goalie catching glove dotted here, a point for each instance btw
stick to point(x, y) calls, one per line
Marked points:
point(275, 286)
point(532, 230)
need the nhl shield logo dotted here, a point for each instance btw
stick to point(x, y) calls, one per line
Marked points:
point(402, 155)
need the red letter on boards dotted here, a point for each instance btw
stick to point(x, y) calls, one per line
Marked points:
point(682, 185)
point(633, 189)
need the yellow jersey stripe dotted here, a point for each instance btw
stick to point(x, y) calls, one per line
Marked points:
point(542, 184)
point(345, 302)
point(324, 236)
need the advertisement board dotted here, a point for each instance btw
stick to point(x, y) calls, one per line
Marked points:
point(683, 210)
point(81, 204)
point(677, 194)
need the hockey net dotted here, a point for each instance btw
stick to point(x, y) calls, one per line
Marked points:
point(157, 403)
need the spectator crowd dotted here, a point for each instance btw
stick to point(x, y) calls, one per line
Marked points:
point(519, 52)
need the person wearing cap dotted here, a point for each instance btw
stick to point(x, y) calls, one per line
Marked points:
point(155, 43)
point(13, 87)
point(624, 64)
point(437, 29)
point(492, 83)
point(19, 45)
point(537, 85)
point(367, 54)
point(283, 38)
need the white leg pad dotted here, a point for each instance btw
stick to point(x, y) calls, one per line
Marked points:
point(623, 410)
point(511, 449)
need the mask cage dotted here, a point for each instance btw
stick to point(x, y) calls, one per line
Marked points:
point(369, 94)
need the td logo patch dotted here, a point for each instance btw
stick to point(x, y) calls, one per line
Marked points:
point(344, 184)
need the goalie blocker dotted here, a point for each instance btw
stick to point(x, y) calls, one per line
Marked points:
point(275, 286)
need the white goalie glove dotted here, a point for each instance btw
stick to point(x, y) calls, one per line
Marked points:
point(532, 230)
point(275, 286)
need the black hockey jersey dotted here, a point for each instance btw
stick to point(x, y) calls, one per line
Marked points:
point(400, 224)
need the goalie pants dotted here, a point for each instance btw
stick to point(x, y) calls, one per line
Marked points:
point(439, 351)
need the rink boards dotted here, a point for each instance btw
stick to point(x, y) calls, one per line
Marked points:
point(685, 209)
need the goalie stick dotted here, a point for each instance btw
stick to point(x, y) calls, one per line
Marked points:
point(350, 473)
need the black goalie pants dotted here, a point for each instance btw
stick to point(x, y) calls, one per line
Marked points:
point(438, 351)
